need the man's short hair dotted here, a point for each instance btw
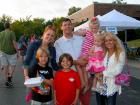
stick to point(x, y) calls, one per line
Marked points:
point(7, 25)
point(65, 20)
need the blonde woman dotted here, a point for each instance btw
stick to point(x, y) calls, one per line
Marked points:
point(114, 61)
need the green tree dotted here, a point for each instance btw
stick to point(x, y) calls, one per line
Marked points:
point(18, 27)
point(3, 20)
point(49, 22)
point(119, 2)
point(73, 10)
point(56, 23)
point(28, 27)
point(1, 26)
point(38, 25)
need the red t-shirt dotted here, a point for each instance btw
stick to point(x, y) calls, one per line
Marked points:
point(65, 85)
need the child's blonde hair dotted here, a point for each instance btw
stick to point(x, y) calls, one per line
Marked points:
point(40, 51)
point(94, 20)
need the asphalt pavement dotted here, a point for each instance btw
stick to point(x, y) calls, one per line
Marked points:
point(16, 95)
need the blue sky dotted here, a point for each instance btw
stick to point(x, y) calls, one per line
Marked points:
point(47, 9)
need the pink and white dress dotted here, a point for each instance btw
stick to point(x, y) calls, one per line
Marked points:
point(95, 62)
point(87, 43)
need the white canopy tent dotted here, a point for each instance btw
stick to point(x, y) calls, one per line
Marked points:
point(119, 20)
point(115, 19)
point(82, 26)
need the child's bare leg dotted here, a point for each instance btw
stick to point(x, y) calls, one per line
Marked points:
point(94, 83)
point(100, 78)
point(80, 72)
point(85, 73)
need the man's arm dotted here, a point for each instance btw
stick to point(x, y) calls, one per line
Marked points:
point(15, 45)
point(80, 32)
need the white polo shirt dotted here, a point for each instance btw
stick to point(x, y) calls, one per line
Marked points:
point(71, 46)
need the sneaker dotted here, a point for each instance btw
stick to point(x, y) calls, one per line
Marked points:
point(2, 68)
point(8, 84)
point(9, 79)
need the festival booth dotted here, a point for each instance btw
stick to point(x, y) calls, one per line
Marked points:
point(82, 26)
point(114, 21)
point(119, 20)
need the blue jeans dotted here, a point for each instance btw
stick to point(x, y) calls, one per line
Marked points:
point(104, 100)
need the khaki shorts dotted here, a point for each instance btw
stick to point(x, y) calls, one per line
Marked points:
point(40, 103)
point(6, 59)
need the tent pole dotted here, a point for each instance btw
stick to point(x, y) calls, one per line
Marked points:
point(125, 36)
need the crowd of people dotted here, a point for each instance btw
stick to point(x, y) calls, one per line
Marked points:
point(71, 67)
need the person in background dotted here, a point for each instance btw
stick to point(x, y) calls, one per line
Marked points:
point(66, 82)
point(8, 53)
point(32, 38)
point(42, 95)
point(22, 46)
point(114, 61)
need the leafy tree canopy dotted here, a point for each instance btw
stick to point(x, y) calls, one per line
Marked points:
point(73, 10)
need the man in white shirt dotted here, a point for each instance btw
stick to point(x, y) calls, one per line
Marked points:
point(68, 43)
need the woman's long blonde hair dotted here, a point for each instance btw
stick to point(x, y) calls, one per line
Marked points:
point(117, 44)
